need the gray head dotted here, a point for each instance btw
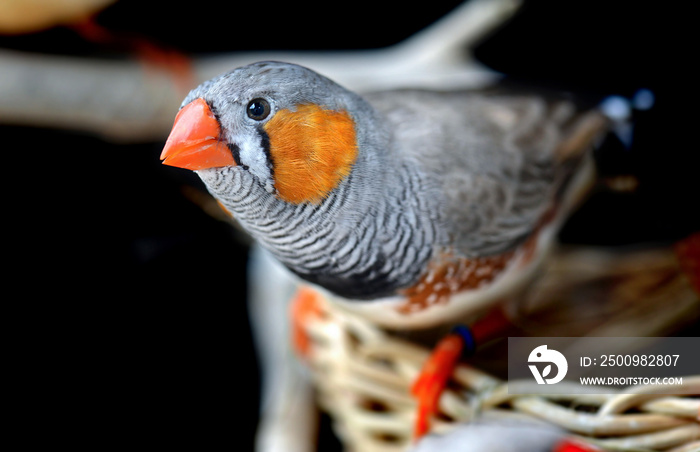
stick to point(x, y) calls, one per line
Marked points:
point(299, 133)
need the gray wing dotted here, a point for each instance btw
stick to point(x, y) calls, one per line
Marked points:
point(502, 159)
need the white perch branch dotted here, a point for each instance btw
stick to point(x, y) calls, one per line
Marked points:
point(127, 101)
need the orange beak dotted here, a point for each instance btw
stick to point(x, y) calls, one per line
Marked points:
point(194, 142)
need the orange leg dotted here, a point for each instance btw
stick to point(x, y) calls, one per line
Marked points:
point(432, 380)
point(438, 368)
point(306, 304)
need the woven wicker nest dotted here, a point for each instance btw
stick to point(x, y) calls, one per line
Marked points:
point(363, 374)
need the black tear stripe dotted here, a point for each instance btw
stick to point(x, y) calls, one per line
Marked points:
point(265, 144)
point(213, 109)
point(236, 152)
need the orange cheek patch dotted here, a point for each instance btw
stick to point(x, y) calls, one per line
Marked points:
point(312, 151)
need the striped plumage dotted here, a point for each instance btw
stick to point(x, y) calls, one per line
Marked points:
point(355, 249)
point(440, 197)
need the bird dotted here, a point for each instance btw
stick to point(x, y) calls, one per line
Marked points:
point(405, 203)
point(410, 206)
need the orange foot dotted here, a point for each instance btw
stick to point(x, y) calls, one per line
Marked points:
point(305, 305)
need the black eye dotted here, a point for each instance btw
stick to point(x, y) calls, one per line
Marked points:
point(258, 109)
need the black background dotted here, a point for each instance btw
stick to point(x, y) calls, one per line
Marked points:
point(135, 305)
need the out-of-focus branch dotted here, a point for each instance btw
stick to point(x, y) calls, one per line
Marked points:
point(118, 99)
point(127, 101)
